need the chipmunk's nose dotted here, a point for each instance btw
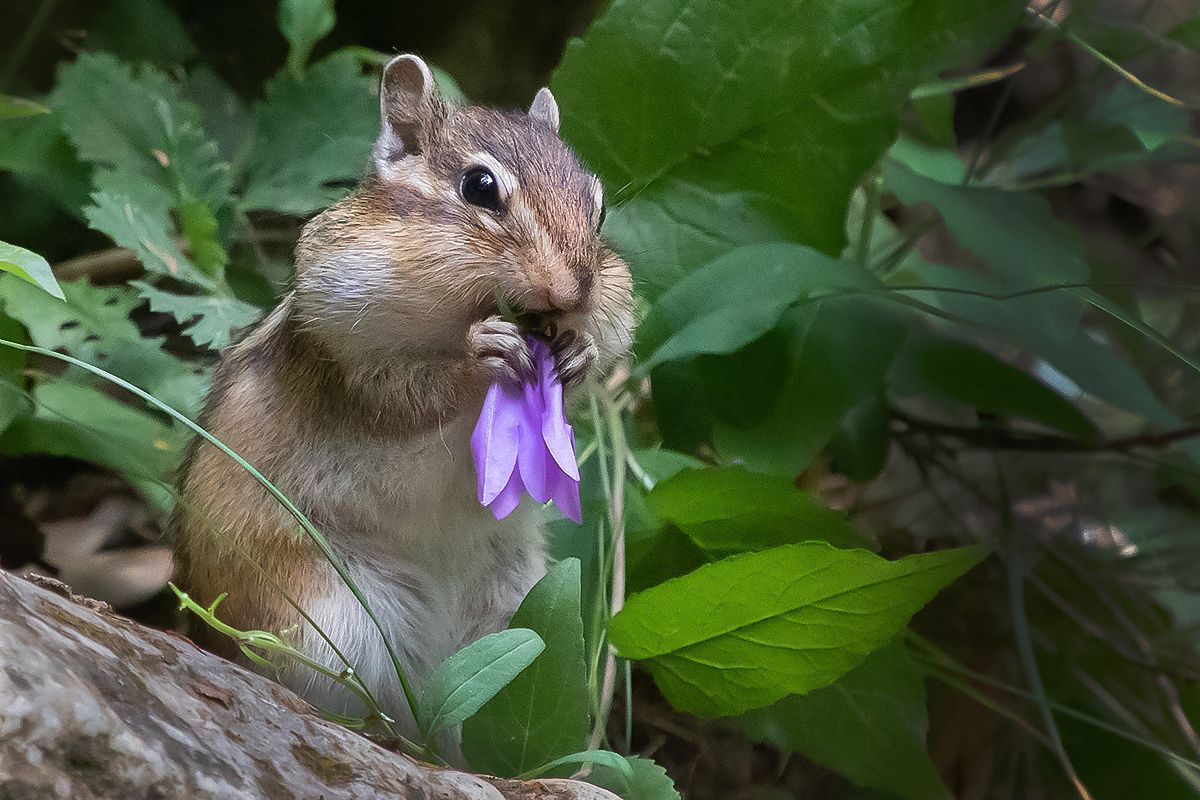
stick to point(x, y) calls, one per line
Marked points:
point(561, 291)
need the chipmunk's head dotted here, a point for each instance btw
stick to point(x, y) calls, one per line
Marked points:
point(468, 209)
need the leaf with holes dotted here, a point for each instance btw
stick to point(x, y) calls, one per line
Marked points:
point(93, 324)
point(83, 422)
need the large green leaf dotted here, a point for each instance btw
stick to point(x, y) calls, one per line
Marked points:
point(869, 726)
point(310, 132)
point(29, 267)
point(473, 675)
point(747, 631)
point(729, 509)
point(723, 123)
point(736, 298)
point(543, 713)
point(940, 367)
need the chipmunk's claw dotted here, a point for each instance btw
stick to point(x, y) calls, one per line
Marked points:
point(575, 353)
point(499, 348)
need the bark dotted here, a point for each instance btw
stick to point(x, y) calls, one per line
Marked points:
point(93, 705)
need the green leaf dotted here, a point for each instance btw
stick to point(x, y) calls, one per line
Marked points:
point(603, 757)
point(93, 324)
point(736, 298)
point(473, 675)
point(223, 113)
point(309, 132)
point(645, 781)
point(729, 509)
point(1187, 33)
point(30, 267)
point(839, 353)
point(870, 726)
point(733, 123)
point(1091, 366)
point(937, 366)
point(147, 233)
point(209, 320)
point(544, 712)
point(660, 463)
point(1015, 233)
point(937, 114)
point(199, 227)
point(82, 422)
point(144, 128)
point(747, 631)
point(18, 107)
point(304, 23)
point(859, 449)
point(87, 321)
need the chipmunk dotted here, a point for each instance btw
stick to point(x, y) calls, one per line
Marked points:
point(357, 395)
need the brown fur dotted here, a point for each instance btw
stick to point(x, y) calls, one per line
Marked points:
point(374, 349)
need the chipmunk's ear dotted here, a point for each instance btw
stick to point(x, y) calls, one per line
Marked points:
point(411, 108)
point(545, 109)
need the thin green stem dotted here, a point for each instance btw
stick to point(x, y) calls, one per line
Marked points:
point(1020, 621)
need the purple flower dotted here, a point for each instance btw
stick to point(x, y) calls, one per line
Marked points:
point(522, 442)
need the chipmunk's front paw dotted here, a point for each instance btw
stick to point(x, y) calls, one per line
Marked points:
point(499, 349)
point(574, 352)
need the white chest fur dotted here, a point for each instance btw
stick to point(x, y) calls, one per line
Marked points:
point(436, 568)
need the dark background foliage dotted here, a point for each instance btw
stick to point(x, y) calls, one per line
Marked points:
point(910, 281)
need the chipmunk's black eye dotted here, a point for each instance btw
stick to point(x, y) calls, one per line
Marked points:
point(603, 214)
point(480, 188)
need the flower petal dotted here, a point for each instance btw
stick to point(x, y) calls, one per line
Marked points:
point(555, 430)
point(532, 458)
point(509, 498)
point(564, 490)
point(494, 440)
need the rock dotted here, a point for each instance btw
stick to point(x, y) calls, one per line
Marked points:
point(93, 705)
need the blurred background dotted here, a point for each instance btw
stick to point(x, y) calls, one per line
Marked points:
point(1078, 456)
